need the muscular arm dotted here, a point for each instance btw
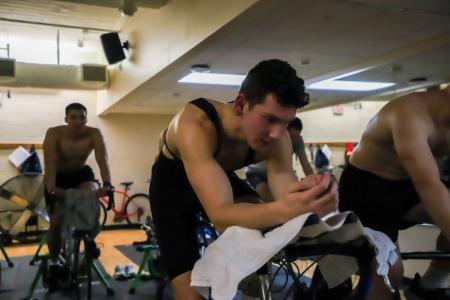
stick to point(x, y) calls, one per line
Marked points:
point(196, 144)
point(50, 158)
point(301, 155)
point(279, 167)
point(411, 144)
point(209, 181)
point(101, 156)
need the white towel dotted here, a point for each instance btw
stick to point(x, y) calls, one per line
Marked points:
point(81, 209)
point(239, 251)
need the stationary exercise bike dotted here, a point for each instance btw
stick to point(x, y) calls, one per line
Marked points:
point(73, 261)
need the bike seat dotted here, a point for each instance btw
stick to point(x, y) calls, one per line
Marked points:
point(127, 183)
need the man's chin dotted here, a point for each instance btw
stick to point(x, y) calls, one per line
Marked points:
point(260, 145)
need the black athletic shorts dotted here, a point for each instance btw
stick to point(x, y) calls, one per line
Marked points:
point(379, 203)
point(175, 207)
point(69, 180)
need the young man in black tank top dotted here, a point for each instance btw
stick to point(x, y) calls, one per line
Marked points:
point(202, 147)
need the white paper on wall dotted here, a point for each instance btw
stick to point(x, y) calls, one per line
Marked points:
point(327, 151)
point(19, 156)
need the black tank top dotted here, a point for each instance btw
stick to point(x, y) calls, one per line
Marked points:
point(211, 112)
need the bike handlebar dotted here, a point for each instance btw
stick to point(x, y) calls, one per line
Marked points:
point(111, 203)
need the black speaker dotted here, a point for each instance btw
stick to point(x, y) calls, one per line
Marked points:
point(112, 47)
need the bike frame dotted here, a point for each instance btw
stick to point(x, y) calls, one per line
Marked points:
point(120, 212)
point(124, 197)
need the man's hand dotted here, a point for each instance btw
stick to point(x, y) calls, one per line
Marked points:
point(307, 182)
point(315, 193)
point(105, 190)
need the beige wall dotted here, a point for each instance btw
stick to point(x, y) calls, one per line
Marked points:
point(169, 32)
point(320, 125)
point(132, 140)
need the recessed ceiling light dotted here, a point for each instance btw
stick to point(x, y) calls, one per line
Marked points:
point(213, 78)
point(305, 61)
point(344, 85)
point(199, 75)
point(200, 68)
point(418, 79)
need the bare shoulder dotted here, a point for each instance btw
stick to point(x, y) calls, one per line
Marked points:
point(192, 115)
point(411, 107)
point(193, 129)
point(55, 131)
point(93, 131)
point(410, 117)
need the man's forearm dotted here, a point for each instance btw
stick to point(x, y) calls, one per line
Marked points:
point(437, 204)
point(50, 177)
point(249, 215)
point(307, 169)
point(105, 172)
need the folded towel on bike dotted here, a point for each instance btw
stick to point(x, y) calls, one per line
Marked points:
point(80, 210)
point(240, 251)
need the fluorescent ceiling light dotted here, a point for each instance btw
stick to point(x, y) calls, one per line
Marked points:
point(343, 85)
point(351, 73)
point(330, 84)
point(213, 78)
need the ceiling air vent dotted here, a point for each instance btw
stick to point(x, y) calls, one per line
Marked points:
point(94, 74)
point(7, 69)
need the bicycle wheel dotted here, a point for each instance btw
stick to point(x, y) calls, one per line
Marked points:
point(137, 208)
point(102, 214)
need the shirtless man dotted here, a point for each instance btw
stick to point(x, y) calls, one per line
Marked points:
point(202, 147)
point(392, 180)
point(257, 173)
point(66, 149)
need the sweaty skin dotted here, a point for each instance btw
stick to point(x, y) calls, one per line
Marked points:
point(404, 140)
point(66, 150)
point(193, 138)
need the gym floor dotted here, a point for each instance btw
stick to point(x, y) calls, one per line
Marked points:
point(116, 248)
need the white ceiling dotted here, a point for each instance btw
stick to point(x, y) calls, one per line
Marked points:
point(102, 15)
point(335, 36)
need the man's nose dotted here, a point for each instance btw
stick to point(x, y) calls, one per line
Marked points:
point(276, 131)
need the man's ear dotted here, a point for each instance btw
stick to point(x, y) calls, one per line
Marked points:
point(65, 119)
point(239, 104)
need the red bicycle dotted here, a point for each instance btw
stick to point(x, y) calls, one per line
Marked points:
point(133, 209)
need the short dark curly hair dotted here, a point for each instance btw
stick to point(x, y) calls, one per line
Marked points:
point(75, 106)
point(296, 124)
point(277, 77)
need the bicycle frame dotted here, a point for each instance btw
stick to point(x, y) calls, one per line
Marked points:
point(124, 197)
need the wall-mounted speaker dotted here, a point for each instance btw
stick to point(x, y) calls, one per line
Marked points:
point(7, 69)
point(112, 47)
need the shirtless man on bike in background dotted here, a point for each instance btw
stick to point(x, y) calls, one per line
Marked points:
point(392, 181)
point(66, 149)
